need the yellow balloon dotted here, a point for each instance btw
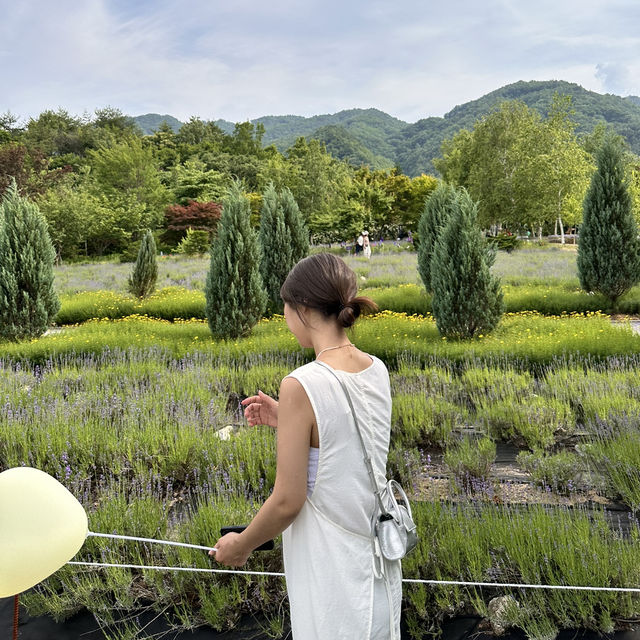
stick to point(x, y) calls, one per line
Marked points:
point(42, 526)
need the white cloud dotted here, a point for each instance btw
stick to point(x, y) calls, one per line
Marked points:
point(245, 59)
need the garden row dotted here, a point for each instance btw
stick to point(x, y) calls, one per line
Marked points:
point(126, 413)
point(173, 303)
point(141, 418)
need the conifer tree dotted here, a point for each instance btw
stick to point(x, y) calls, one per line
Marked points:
point(467, 299)
point(295, 224)
point(234, 292)
point(144, 275)
point(608, 250)
point(276, 248)
point(28, 301)
point(433, 219)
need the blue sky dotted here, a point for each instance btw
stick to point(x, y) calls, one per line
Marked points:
point(242, 59)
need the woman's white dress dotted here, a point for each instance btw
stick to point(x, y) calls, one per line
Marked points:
point(336, 589)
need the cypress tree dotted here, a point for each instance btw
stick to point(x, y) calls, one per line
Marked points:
point(295, 224)
point(434, 216)
point(142, 280)
point(234, 292)
point(467, 299)
point(28, 301)
point(608, 250)
point(276, 245)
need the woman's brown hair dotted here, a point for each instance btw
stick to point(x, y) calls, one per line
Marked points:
point(324, 282)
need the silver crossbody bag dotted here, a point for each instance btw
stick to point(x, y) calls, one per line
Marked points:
point(393, 529)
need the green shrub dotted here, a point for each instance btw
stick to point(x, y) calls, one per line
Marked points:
point(421, 420)
point(470, 461)
point(617, 458)
point(294, 223)
point(467, 300)
point(533, 421)
point(505, 242)
point(195, 242)
point(404, 464)
point(235, 296)
point(142, 280)
point(276, 249)
point(557, 471)
point(435, 215)
point(609, 249)
point(28, 301)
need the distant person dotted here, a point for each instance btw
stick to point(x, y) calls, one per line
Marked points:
point(366, 245)
point(360, 243)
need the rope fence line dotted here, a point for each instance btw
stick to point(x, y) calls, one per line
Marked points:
point(460, 583)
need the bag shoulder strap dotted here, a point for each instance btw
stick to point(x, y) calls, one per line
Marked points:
point(367, 458)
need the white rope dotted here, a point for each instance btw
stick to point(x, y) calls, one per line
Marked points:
point(153, 566)
point(167, 542)
point(460, 583)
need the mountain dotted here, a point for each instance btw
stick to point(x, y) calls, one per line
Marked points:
point(420, 142)
point(341, 143)
point(372, 137)
point(151, 122)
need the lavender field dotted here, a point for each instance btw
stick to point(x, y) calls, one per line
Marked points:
point(526, 266)
point(519, 449)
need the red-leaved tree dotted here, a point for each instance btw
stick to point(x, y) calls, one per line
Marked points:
point(200, 216)
point(28, 168)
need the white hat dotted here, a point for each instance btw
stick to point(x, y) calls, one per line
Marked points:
point(365, 233)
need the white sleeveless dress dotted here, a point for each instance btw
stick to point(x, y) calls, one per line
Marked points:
point(336, 588)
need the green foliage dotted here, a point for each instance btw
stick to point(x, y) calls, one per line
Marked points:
point(28, 301)
point(505, 242)
point(142, 280)
point(295, 225)
point(193, 181)
point(470, 461)
point(342, 144)
point(467, 300)
point(276, 249)
point(617, 457)
point(234, 290)
point(524, 171)
point(435, 215)
point(127, 174)
point(417, 144)
point(609, 249)
point(195, 242)
point(556, 471)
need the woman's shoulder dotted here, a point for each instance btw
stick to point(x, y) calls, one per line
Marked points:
point(303, 372)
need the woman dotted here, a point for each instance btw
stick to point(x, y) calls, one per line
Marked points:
point(322, 499)
point(366, 246)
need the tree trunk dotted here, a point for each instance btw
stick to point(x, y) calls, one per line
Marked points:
point(559, 220)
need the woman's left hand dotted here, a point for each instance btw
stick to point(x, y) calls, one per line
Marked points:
point(231, 551)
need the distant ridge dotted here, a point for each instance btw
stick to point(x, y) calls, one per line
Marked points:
point(151, 122)
point(374, 138)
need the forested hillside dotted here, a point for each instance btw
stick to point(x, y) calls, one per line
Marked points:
point(374, 138)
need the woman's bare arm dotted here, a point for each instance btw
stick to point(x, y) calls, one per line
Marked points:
point(295, 421)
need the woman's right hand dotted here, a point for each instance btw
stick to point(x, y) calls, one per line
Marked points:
point(261, 409)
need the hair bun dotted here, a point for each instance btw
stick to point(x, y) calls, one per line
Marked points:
point(349, 313)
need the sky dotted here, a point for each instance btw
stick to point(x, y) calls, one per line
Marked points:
point(241, 59)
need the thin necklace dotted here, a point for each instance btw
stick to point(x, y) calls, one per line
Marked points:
point(349, 344)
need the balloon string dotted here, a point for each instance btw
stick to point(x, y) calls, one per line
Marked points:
point(167, 542)
point(195, 569)
point(16, 615)
point(460, 583)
